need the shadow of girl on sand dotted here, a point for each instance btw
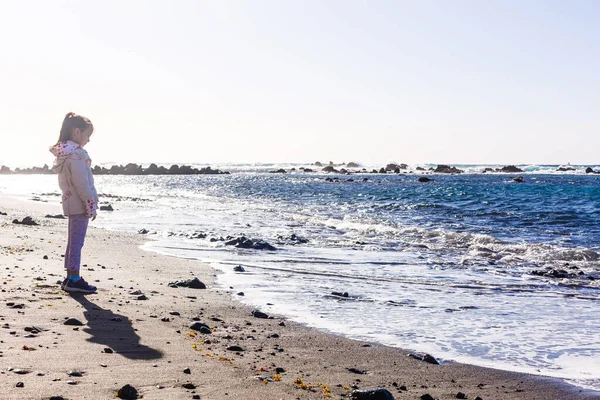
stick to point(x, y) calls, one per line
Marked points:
point(114, 331)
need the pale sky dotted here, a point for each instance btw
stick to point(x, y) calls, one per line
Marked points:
point(504, 82)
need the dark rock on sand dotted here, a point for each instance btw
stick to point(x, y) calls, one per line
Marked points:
point(426, 396)
point(200, 327)
point(372, 394)
point(428, 358)
point(445, 169)
point(143, 231)
point(259, 314)
point(25, 221)
point(73, 322)
point(188, 386)
point(357, 371)
point(461, 395)
point(424, 179)
point(107, 208)
point(239, 268)
point(235, 348)
point(245, 243)
point(20, 384)
point(19, 371)
point(57, 216)
point(127, 392)
point(187, 371)
point(190, 283)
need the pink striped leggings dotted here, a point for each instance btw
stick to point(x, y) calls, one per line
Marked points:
point(77, 229)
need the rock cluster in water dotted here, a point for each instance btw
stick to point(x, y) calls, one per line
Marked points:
point(245, 243)
point(129, 169)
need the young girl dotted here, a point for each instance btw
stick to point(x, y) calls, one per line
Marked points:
point(79, 197)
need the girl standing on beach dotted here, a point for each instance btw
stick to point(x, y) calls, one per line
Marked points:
point(79, 197)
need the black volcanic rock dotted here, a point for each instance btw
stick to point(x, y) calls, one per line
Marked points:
point(25, 221)
point(372, 394)
point(127, 392)
point(509, 169)
point(190, 283)
point(245, 243)
point(445, 169)
point(153, 169)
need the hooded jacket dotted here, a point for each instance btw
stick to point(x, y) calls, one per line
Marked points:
point(73, 166)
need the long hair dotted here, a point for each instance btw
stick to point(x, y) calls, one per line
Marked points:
point(73, 121)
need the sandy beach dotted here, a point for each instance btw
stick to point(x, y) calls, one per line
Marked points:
point(136, 331)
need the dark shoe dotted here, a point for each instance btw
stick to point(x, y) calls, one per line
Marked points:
point(64, 283)
point(80, 286)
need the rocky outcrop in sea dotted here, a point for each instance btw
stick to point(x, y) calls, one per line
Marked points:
point(129, 169)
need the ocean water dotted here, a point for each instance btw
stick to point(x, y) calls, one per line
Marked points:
point(472, 268)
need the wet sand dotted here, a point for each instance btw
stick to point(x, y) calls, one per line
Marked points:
point(136, 330)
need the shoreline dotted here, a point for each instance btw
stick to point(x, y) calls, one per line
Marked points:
point(140, 340)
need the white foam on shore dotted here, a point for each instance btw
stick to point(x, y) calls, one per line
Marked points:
point(500, 323)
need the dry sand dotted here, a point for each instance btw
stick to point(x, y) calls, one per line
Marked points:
point(152, 345)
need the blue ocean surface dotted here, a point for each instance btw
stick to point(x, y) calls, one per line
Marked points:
point(473, 267)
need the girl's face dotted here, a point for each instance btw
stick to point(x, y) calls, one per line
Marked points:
point(82, 137)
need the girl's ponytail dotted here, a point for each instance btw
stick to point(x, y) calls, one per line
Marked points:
point(71, 122)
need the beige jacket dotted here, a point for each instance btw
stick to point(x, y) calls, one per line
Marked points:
point(73, 166)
